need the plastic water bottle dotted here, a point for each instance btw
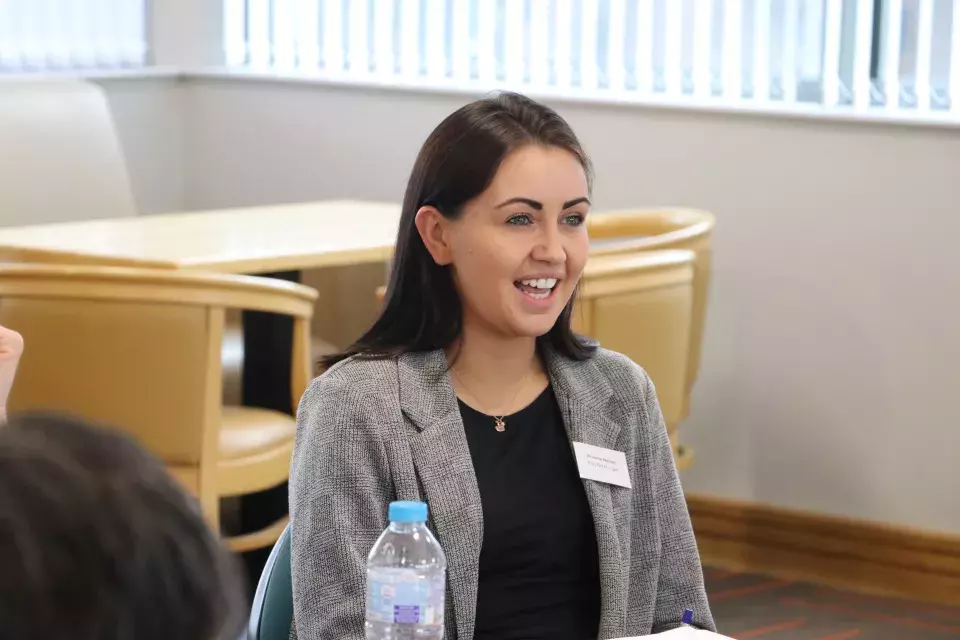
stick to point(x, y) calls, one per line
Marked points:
point(406, 579)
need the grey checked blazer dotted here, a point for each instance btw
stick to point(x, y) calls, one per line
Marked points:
point(373, 431)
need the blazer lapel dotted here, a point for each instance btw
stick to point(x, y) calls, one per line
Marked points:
point(587, 417)
point(445, 469)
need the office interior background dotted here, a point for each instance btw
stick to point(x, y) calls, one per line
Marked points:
point(824, 135)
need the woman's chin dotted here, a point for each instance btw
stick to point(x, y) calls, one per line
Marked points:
point(535, 318)
point(534, 326)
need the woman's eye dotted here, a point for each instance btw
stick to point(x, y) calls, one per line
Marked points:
point(574, 220)
point(520, 219)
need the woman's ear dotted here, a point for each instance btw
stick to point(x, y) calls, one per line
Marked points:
point(433, 231)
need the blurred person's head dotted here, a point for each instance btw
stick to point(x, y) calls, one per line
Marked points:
point(98, 542)
point(492, 236)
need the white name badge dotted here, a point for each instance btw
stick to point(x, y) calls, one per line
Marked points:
point(602, 465)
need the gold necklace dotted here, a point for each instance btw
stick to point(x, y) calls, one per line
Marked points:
point(498, 421)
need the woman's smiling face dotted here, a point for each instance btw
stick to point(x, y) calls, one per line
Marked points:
point(519, 248)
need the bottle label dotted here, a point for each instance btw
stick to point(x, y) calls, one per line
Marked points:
point(400, 596)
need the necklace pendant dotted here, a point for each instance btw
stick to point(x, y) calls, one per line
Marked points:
point(500, 425)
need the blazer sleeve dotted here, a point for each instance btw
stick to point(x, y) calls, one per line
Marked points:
point(340, 490)
point(680, 584)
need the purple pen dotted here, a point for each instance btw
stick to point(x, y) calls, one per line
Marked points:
point(687, 619)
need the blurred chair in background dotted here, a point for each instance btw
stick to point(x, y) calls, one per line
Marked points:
point(641, 304)
point(271, 614)
point(61, 157)
point(619, 232)
point(140, 350)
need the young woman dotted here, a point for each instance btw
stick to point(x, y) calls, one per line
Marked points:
point(468, 392)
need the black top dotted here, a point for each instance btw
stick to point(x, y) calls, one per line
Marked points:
point(539, 567)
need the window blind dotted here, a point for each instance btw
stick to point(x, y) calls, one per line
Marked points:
point(49, 35)
point(897, 54)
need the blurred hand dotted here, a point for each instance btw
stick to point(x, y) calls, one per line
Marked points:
point(11, 346)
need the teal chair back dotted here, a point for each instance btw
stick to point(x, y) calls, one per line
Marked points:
point(271, 615)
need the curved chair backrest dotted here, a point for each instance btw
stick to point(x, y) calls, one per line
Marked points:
point(641, 304)
point(140, 349)
point(619, 232)
point(61, 158)
point(271, 615)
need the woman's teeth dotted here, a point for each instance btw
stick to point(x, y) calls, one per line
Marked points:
point(542, 283)
point(538, 288)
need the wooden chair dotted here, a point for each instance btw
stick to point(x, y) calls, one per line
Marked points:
point(61, 158)
point(140, 350)
point(641, 304)
point(619, 232)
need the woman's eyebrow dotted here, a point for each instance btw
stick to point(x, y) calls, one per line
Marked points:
point(533, 204)
point(574, 202)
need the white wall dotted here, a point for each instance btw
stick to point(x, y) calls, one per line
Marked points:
point(829, 369)
point(295, 142)
point(148, 113)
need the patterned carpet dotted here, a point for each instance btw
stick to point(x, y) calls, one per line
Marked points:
point(748, 606)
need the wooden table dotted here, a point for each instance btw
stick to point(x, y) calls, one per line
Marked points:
point(275, 241)
point(265, 239)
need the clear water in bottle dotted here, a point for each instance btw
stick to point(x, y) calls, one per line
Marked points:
point(406, 579)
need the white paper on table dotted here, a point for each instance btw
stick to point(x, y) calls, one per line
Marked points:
point(683, 633)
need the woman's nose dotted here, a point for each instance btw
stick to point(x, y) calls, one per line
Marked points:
point(550, 248)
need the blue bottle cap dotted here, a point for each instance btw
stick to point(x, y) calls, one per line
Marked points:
point(408, 512)
point(687, 616)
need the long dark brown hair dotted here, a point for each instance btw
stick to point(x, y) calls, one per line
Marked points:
point(422, 309)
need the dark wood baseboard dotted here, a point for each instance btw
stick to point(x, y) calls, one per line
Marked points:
point(845, 553)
